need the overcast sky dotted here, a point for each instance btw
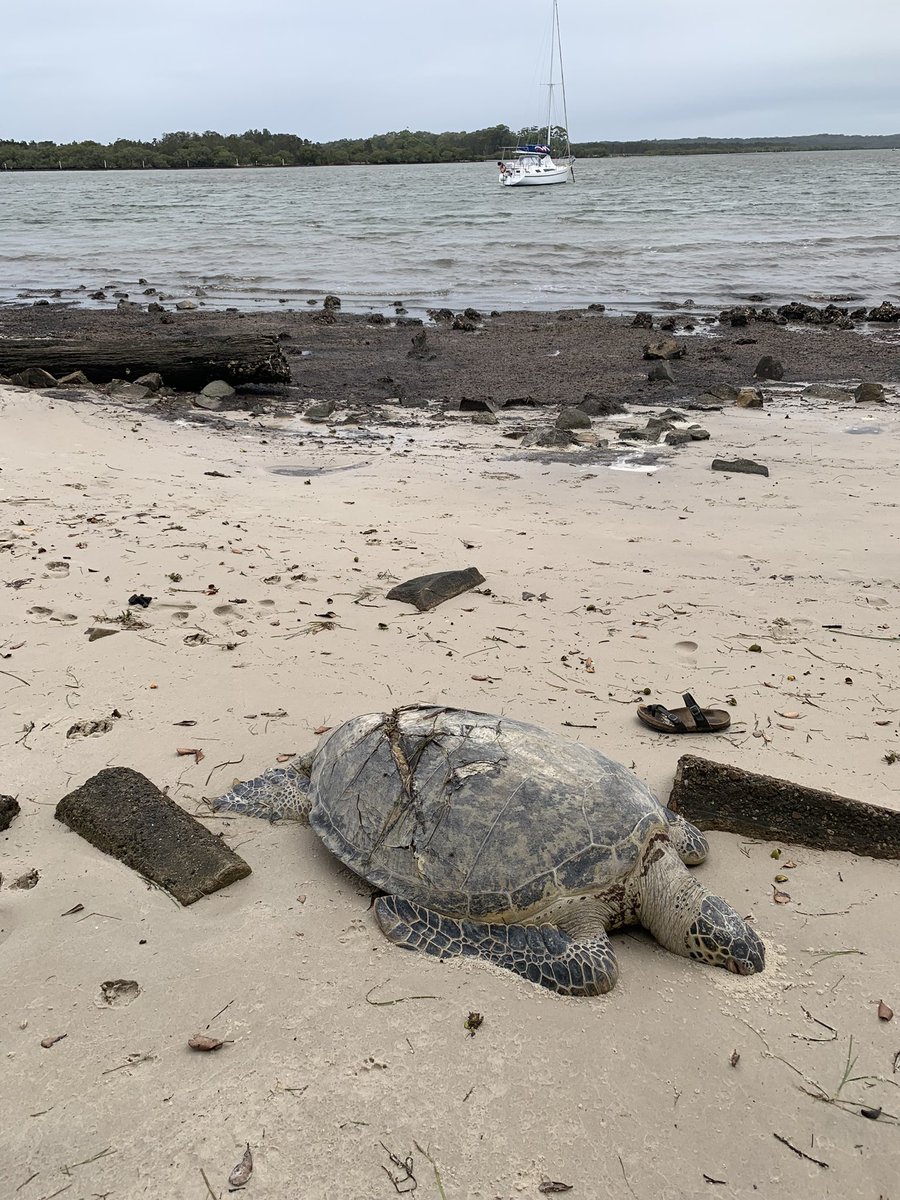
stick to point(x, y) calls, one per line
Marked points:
point(102, 69)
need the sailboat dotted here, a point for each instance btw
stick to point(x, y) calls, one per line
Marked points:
point(532, 164)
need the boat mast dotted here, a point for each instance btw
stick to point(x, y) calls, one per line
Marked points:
point(562, 79)
point(554, 25)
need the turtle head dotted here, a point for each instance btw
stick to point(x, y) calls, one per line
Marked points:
point(717, 935)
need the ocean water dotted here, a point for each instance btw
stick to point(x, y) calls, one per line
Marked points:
point(631, 233)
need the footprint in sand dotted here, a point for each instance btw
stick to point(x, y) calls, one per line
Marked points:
point(60, 569)
point(227, 611)
point(686, 649)
point(39, 613)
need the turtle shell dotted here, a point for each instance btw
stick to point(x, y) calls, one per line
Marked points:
point(476, 815)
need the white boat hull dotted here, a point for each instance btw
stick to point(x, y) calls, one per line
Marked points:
point(529, 174)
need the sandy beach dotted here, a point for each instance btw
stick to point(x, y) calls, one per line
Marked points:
point(604, 578)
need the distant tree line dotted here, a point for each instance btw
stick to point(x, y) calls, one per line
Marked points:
point(260, 148)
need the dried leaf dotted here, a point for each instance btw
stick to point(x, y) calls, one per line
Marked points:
point(884, 1012)
point(473, 1022)
point(781, 878)
point(187, 751)
point(735, 1058)
point(780, 897)
point(322, 729)
point(47, 1042)
point(202, 1041)
point(546, 1186)
point(243, 1170)
point(186, 724)
point(791, 716)
point(775, 854)
point(789, 865)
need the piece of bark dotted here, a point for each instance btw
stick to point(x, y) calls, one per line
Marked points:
point(716, 796)
point(9, 810)
point(123, 814)
point(186, 362)
point(428, 591)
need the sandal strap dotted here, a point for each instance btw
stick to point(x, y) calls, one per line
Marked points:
point(696, 712)
point(663, 714)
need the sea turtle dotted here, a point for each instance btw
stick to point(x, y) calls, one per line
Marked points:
point(496, 839)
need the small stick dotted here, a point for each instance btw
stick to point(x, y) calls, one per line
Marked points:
point(208, 1185)
point(219, 1013)
point(18, 677)
point(231, 763)
point(800, 1153)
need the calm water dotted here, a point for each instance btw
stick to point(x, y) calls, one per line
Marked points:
point(629, 232)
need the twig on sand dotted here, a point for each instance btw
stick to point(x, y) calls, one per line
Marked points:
point(434, 1167)
point(800, 1153)
point(100, 1154)
point(397, 1000)
point(232, 762)
point(18, 677)
point(219, 1013)
point(624, 1176)
point(208, 1185)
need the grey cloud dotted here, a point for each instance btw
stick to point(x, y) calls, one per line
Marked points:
point(105, 69)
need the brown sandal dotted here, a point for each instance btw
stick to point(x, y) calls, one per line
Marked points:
point(692, 719)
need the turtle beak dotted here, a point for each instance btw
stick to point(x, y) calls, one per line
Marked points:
point(742, 968)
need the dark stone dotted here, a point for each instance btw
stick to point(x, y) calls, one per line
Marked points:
point(377, 319)
point(870, 393)
point(484, 418)
point(153, 381)
point(827, 391)
point(717, 395)
point(473, 314)
point(33, 377)
point(643, 320)
point(669, 324)
point(74, 379)
point(420, 349)
point(153, 307)
point(769, 368)
point(667, 349)
point(463, 324)
point(477, 404)
point(123, 814)
point(124, 389)
point(440, 314)
point(331, 302)
point(660, 372)
point(325, 317)
point(749, 398)
point(740, 466)
point(884, 312)
point(9, 810)
point(550, 438)
point(600, 406)
point(407, 322)
point(680, 437)
point(128, 306)
point(597, 308)
point(428, 591)
point(573, 418)
point(321, 411)
point(98, 295)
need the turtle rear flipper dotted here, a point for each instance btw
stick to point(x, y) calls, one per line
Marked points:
point(542, 953)
point(279, 794)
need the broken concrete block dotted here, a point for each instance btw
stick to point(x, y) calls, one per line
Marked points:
point(123, 814)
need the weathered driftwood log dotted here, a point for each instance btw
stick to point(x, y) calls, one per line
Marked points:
point(716, 796)
point(187, 363)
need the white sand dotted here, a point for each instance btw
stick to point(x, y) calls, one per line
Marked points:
point(631, 1094)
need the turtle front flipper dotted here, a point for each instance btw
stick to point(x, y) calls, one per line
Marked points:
point(691, 845)
point(542, 953)
point(279, 794)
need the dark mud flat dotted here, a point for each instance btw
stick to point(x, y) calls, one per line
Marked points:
point(555, 358)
